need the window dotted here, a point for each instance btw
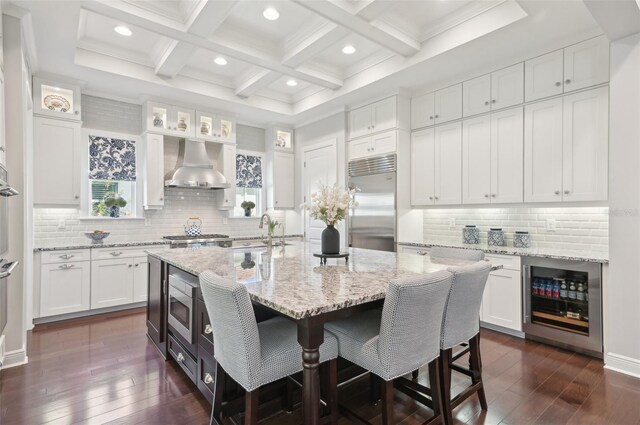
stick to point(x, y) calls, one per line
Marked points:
point(248, 183)
point(112, 177)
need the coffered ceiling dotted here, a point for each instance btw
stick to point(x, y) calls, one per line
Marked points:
point(280, 68)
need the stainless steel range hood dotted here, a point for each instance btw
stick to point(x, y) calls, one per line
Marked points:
point(194, 169)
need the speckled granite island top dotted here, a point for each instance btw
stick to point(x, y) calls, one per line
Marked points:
point(292, 281)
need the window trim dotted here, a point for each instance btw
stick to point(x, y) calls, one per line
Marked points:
point(263, 191)
point(85, 189)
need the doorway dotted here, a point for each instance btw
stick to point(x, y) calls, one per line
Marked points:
point(319, 166)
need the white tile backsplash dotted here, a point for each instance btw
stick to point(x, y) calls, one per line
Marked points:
point(577, 228)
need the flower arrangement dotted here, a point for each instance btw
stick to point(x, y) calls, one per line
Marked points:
point(331, 203)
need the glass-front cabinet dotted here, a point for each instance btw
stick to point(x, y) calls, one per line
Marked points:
point(215, 128)
point(170, 120)
point(280, 139)
point(57, 100)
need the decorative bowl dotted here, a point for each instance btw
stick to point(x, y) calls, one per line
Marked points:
point(97, 238)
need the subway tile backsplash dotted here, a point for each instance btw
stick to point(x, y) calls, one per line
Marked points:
point(576, 228)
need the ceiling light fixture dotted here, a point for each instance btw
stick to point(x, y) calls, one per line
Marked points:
point(220, 61)
point(292, 83)
point(122, 30)
point(348, 49)
point(271, 14)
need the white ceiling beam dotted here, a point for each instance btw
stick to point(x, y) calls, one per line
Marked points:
point(255, 80)
point(319, 40)
point(203, 22)
point(394, 41)
point(618, 19)
point(247, 54)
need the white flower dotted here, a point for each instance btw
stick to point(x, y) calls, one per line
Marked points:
point(330, 203)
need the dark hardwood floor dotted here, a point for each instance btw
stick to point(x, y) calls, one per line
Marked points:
point(103, 370)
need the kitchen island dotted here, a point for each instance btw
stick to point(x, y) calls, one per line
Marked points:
point(287, 281)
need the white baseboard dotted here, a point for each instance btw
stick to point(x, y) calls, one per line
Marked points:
point(512, 332)
point(622, 364)
point(15, 358)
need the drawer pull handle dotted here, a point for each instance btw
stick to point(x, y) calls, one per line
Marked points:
point(208, 378)
point(208, 329)
point(66, 266)
point(116, 254)
point(180, 357)
point(422, 252)
point(67, 256)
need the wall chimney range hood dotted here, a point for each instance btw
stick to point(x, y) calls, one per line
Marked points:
point(194, 169)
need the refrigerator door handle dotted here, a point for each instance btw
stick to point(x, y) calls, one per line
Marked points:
point(525, 294)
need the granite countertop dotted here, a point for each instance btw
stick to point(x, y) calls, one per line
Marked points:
point(291, 280)
point(555, 253)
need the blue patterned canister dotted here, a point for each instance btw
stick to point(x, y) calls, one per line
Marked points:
point(471, 234)
point(495, 237)
point(521, 240)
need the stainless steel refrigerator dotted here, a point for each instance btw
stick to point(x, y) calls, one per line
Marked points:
point(372, 224)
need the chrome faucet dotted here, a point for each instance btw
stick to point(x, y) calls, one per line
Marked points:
point(261, 226)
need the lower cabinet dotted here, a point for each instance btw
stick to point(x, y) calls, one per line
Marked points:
point(502, 299)
point(140, 279)
point(65, 288)
point(118, 281)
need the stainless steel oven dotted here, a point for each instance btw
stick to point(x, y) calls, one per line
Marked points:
point(6, 267)
point(563, 303)
point(182, 307)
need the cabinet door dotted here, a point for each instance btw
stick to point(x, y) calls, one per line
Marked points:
point(56, 100)
point(56, 158)
point(422, 167)
point(507, 151)
point(507, 87)
point(448, 104)
point(383, 114)
point(360, 122)
point(227, 130)
point(502, 300)
point(476, 96)
point(158, 118)
point(111, 282)
point(423, 111)
point(65, 288)
point(207, 126)
point(283, 182)
point(359, 148)
point(448, 164)
point(156, 305)
point(227, 157)
point(543, 151)
point(154, 171)
point(383, 143)
point(585, 145)
point(476, 160)
point(543, 76)
point(140, 279)
point(586, 64)
point(183, 121)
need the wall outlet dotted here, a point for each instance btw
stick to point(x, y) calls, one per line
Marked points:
point(62, 224)
point(225, 219)
point(550, 225)
point(452, 223)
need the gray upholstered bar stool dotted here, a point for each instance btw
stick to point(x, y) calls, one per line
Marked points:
point(253, 354)
point(460, 325)
point(402, 337)
point(443, 252)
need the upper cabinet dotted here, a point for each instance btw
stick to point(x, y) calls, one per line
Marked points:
point(56, 100)
point(153, 162)
point(437, 107)
point(374, 118)
point(279, 139)
point(378, 144)
point(227, 166)
point(573, 68)
point(215, 128)
point(498, 90)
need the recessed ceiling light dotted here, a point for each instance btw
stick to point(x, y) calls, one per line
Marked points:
point(348, 49)
point(220, 60)
point(122, 30)
point(292, 83)
point(271, 14)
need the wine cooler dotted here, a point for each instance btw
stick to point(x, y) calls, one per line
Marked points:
point(563, 303)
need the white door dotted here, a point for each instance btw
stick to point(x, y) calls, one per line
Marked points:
point(111, 282)
point(586, 64)
point(383, 143)
point(320, 165)
point(507, 87)
point(543, 151)
point(476, 96)
point(422, 167)
point(544, 76)
point(360, 122)
point(448, 104)
point(283, 181)
point(585, 145)
point(359, 148)
point(448, 164)
point(502, 301)
point(476, 160)
point(383, 114)
point(140, 278)
point(65, 288)
point(422, 111)
point(154, 171)
point(56, 159)
point(507, 151)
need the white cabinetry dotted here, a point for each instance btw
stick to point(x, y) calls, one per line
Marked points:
point(438, 107)
point(140, 278)
point(56, 162)
point(153, 175)
point(476, 160)
point(476, 96)
point(111, 282)
point(3, 140)
point(56, 100)
point(502, 298)
point(65, 287)
point(373, 118)
point(544, 76)
point(280, 185)
point(498, 90)
point(168, 119)
point(422, 110)
point(227, 166)
point(215, 128)
point(422, 160)
point(378, 144)
point(566, 148)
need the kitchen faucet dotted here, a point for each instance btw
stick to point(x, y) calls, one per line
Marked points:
point(261, 226)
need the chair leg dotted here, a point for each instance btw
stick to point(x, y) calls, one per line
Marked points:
point(436, 391)
point(387, 402)
point(288, 398)
point(475, 363)
point(374, 389)
point(332, 390)
point(445, 383)
point(218, 392)
point(251, 407)
point(415, 374)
